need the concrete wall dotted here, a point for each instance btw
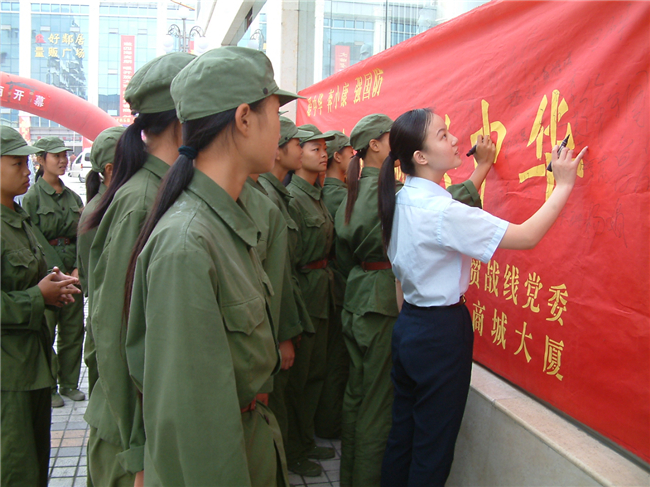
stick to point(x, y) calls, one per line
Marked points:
point(508, 438)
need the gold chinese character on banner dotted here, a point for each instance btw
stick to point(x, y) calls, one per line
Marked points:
point(53, 52)
point(533, 285)
point(320, 104)
point(486, 130)
point(511, 283)
point(40, 52)
point(475, 273)
point(67, 39)
point(553, 357)
point(309, 106)
point(492, 278)
point(477, 317)
point(358, 88)
point(499, 329)
point(80, 53)
point(80, 40)
point(367, 86)
point(337, 97)
point(330, 100)
point(558, 109)
point(557, 302)
point(344, 94)
point(53, 38)
point(378, 80)
point(522, 345)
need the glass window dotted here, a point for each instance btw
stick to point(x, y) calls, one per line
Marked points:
point(56, 8)
point(103, 10)
point(65, 9)
point(45, 7)
point(124, 11)
point(84, 9)
point(36, 7)
point(5, 6)
point(349, 24)
point(326, 22)
point(114, 10)
point(358, 25)
point(370, 26)
point(74, 9)
point(338, 23)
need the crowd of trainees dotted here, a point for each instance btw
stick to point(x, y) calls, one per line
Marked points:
point(240, 304)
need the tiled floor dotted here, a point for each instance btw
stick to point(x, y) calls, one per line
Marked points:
point(330, 475)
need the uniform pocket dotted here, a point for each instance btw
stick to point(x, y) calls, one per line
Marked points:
point(23, 264)
point(244, 317)
point(314, 220)
point(22, 258)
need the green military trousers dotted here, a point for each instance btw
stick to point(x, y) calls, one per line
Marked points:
point(327, 422)
point(90, 357)
point(277, 402)
point(104, 470)
point(368, 398)
point(66, 363)
point(26, 418)
point(304, 389)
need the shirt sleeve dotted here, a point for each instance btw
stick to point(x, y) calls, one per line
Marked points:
point(470, 231)
point(466, 193)
point(23, 310)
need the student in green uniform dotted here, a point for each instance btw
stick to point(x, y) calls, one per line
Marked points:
point(288, 158)
point(97, 179)
point(370, 304)
point(27, 288)
point(116, 444)
point(55, 211)
point(316, 228)
point(200, 340)
point(327, 421)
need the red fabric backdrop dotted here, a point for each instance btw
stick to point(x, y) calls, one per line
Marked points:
point(568, 321)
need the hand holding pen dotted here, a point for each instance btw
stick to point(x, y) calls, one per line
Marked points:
point(549, 168)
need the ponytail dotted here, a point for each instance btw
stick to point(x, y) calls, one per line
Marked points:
point(39, 173)
point(407, 135)
point(354, 173)
point(130, 156)
point(197, 135)
point(386, 198)
point(287, 179)
point(93, 182)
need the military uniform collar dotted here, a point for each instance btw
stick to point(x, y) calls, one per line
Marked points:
point(156, 166)
point(277, 184)
point(334, 182)
point(370, 172)
point(48, 188)
point(14, 218)
point(256, 185)
point(231, 212)
point(312, 190)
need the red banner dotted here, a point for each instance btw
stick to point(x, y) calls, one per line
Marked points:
point(127, 68)
point(341, 58)
point(53, 103)
point(570, 320)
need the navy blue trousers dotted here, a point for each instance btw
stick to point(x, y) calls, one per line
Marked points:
point(432, 367)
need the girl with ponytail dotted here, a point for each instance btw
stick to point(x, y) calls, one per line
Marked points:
point(370, 306)
point(430, 241)
point(115, 447)
point(200, 340)
point(98, 179)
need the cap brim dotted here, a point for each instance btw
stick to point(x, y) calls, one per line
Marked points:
point(25, 150)
point(318, 137)
point(286, 96)
point(58, 150)
point(302, 134)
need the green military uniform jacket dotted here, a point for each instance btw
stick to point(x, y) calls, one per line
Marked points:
point(199, 310)
point(85, 238)
point(280, 195)
point(115, 407)
point(316, 229)
point(272, 249)
point(26, 345)
point(361, 241)
point(56, 215)
point(334, 192)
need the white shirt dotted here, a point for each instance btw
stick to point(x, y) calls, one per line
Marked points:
point(433, 242)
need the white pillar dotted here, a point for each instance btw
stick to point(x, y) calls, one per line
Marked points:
point(25, 39)
point(161, 26)
point(93, 53)
point(318, 40)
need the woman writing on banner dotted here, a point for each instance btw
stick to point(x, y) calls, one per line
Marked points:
point(430, 241)
point(201, 353)
point(370, 307)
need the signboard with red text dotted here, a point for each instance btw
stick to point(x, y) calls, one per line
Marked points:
point(568, 321)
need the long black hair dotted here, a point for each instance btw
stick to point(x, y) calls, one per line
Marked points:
point(407, 135)
point(197, 134)
point(130, 156)
point(41, 171)
point(93, 182)
point(352, 180)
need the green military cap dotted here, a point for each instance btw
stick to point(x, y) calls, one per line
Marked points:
point(222, 79)
point(103, 150)
point(148, 90)
point(316, 133)
point(53, 145)
point(13, 143)
point(339, 141)
point(288, 131)
point(368, 128)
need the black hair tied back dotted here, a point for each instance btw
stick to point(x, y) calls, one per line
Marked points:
point(187, 151)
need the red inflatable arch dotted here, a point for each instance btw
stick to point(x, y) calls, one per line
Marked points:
point(55, 104)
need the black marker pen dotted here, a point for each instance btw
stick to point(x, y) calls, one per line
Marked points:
point(559, 149)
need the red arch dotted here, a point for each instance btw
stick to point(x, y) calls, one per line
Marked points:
point(55, 104)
